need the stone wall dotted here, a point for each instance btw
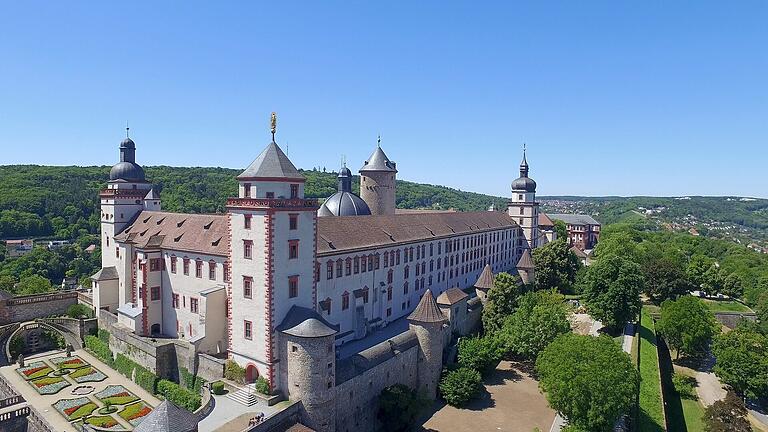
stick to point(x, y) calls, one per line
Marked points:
point(210, 368)
point(357, 399)
point(731, 319)
point(28, 308)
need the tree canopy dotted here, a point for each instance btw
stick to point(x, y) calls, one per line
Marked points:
point(742, 360)
point(589, 380)
point(556, 266)
point(541, 316)
point(727, 415)
point(611, 289)
point(687, 325)
point(502, 300)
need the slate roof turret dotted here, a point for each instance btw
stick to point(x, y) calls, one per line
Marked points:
point(427, 311)
point(271, 163)
point(485, 281)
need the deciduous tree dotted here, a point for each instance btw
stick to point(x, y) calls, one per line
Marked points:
point(687, 325)
point(502, 299)
point(540, 317)
point(589, 380)
point(742, 360)
point(556, 266)
point(612, 289)
point(665, 279)
point(727, 415)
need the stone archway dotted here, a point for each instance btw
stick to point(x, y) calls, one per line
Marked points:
point(251, 374)
point(69, 338)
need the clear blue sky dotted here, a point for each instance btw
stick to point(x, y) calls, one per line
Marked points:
point(612, 97)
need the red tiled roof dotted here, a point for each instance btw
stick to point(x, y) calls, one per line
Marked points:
point(347, 233)
point(544, 220)
point(202, 233)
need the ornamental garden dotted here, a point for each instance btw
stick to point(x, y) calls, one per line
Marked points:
point(86, 399)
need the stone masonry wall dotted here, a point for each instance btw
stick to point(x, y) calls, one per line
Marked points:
point(210, 368)
point(357, 399)
point(27, 308)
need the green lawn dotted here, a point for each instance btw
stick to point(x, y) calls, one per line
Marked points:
point(651, 415)
point(726, 306)
point(693, 411)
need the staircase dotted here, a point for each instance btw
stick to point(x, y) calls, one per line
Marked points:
point(245, 396)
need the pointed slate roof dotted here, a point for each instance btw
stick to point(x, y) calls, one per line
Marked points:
point(451, 296)
point(167, 417)
point(271, 163)
point(305, 322)
point(427, 311)
point(378, 162)
point(152, 195)
point(485, 281)
point(106, 273)
point(526, 262)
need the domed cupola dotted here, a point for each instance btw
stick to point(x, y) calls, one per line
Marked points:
point(524, 183)
point(344, 202)
point(127, 169)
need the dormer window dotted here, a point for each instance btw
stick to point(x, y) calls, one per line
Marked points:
point(294, 191)
point(247, 190)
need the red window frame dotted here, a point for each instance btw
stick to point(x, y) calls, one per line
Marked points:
point(345, 301)
point(173, 264)
point(175, 301)
point(154, 293)
point(198, 268)
point(247, 222)
point(247, 287)
point(155, 264)
point(186, 266)
point(293, 249)
point(293, 286)
point(247, 249)
point(247, 329)
point(194, 307)
point(293, 221)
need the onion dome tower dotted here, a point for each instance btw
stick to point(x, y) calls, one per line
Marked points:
point(523, 207)
point(127, 169)
point(344, 202)
point(377, 182)
point(427, 321)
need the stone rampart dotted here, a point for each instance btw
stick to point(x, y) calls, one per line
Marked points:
point(28, 308)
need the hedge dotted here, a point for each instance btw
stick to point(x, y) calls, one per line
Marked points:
point(100, 349)
point(190, 381)
point(104, 336)
point(124, 365)
point(234, 372)
point(146, 379)
point(179, 395)
point(217, 387)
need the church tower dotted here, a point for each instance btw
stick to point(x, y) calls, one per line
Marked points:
point(523, 207)
point(272, 256)
point(377, 183)
point(125, 196)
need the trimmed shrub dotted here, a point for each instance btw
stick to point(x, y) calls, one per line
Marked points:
point(190, 381)
point(262, 385)
point(146, 379)
point(104, 336)
point(100, 349)
point(234, 372)
point(217, 387)
point(479, 353)
point(79, 310)
point(124, 365)
point(179, 395)
point(459, 386)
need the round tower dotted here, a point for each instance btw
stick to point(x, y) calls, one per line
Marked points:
point(525, 268)
point(428, 323)
point(484, 283)
point(308, 366)
point(377, 183)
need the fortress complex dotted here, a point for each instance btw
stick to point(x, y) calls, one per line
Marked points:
point(330, 303)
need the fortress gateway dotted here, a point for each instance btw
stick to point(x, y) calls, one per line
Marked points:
point(329, 303)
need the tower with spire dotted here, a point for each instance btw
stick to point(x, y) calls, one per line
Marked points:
point(344, 202)
point(377, 182)
point(523, 207)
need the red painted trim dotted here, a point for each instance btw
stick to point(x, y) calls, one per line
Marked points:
point(314, 260)
point(293, 204)
point(268, 287)
point(229, 286)
point(144, 307)
point(273, 179)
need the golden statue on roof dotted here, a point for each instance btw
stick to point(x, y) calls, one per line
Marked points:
point(273, 122)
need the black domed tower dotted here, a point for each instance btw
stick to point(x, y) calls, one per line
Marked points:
point(344, 202)
point(523, 207)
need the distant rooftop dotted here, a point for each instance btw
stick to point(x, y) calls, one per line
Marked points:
point(574, 219)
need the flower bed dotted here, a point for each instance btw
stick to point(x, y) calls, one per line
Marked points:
point(87, 374)
point(135, 413)
point(105, 422)
point(49, 385)
point(73, 409)
point(34, 370)
point(116, 395)
point(73, 362)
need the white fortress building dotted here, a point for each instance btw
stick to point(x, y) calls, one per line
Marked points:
point(298, 292)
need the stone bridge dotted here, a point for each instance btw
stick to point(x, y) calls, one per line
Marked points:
point(73, 330)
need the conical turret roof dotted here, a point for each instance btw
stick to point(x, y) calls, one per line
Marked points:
point(378, 162)
point(271, 163)
point(485, 281)
point(167, 417)
point(526, 262)
point(427, 311)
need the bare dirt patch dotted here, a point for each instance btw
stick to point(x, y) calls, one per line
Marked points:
point(512, 403)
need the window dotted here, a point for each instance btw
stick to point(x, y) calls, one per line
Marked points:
point(270, 195)
point(329, 270)
point(348, 266)
point(339, 268)
point(389, 276)
point(520, 197)
point(247, 249)
point(293, 221)
point(406, 272)
point(293, 286)
point(365, 295)
point(376, 259)
point(193, 305)
point(247, 286)
point(370, 262)
point(405, 288)
point(154, 293)
point(294, 191)
point(357, 265)
point(345, 301)
point(225, 270)
point(386, 259)
point(117, 251)
point(247, 190)
point(155, 264)
point(198, 268)
point(293, 249)
point(522, 211)
point(186, 266)
point(247, 222)
point(248, 330)
point(212, 270)
point(173, 264)
point(397, 257)
point(364, 262)
point(389, 311)
point(175, 301)
point(389, 293)
point(317, 272)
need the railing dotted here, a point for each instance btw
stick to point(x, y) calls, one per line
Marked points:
point(272, 202)
point(38, 298)
point(10, 415)
point(84, 298)
point(13, 400)
point(128, 193)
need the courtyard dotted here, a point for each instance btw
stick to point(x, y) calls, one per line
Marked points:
point(71, 391)
point(513, 402)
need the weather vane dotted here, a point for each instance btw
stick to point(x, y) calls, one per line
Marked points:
point(378, 140)
point(126, 129)
point(274, 124)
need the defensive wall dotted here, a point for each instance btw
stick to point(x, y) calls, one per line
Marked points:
point(28, 308)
